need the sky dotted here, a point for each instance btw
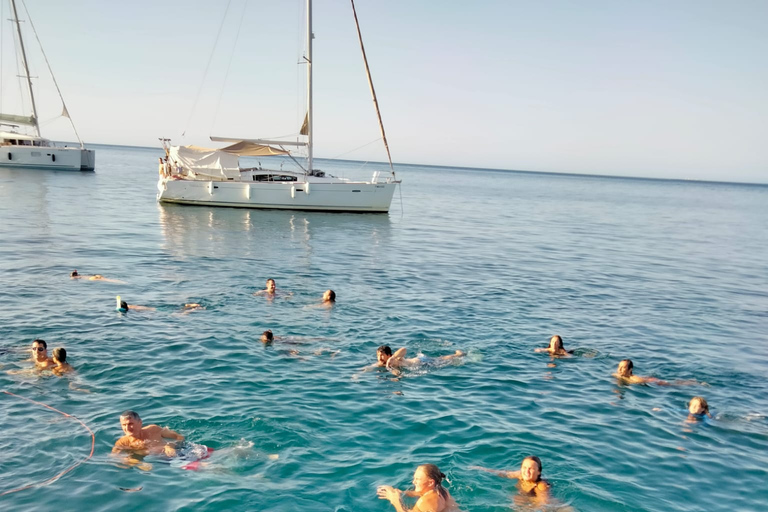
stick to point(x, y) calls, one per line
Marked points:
point(663, 89)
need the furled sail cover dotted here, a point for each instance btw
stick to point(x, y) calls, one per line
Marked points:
point(244, 148)
point(14, 119)
point(206, 162)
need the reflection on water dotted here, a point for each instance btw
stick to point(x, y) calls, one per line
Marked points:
point(203, 231)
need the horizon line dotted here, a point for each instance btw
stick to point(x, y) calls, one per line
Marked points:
point(496, 169)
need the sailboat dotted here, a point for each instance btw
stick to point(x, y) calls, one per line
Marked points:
point(31, 149)
point(203, 176)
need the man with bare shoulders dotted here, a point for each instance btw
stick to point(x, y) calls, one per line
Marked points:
point(140, 440)
point(40, 355)
point(271, 290)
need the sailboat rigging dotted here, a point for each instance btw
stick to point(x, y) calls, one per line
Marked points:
point(32, 150)
point(202, 176)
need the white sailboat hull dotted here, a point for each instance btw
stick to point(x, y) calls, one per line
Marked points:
point(41, 157)
point(319, 196)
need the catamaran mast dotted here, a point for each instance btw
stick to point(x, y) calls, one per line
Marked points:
point(309, 85)
point(26, 67)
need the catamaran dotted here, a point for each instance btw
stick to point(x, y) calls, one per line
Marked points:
point(31, 149)
point(203, 176)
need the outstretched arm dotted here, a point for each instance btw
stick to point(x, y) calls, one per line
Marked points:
point(497, 472)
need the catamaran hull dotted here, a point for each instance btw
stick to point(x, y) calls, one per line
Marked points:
point(40, 157)
point(332, 197)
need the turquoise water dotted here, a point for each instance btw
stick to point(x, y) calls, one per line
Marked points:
point(671, 274)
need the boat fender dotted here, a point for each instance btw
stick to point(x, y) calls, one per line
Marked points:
point(210, 187)
point(53, 158)
point(293, 192)
point(119, 307)
point(10, 157)
point(306, 188)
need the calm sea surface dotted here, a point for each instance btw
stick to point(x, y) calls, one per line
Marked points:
point(673, 275)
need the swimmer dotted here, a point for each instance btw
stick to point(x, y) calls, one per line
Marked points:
point(188, 308)
point(40, 355)
point(698, 408)
point(328, 300)
point(123, 306)
point(555, 347)
point(271, 290)
point(60, 360)
point(428, 487)
point(95, 277)
point(529, 481)
point(267, 338)
point(385, 357)
point(140, 441)
point(625, 375)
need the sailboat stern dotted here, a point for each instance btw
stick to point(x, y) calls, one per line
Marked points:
point(87, 160)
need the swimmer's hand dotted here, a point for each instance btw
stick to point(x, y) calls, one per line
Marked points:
point(386, 492)
point(169, 450)
point(144, 466)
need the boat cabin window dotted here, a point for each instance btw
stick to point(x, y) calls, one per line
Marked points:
point(273, 177)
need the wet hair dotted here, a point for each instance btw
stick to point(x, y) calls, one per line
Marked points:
point(332, 296)
point(268, 335)
point(558, 342)
point(434, 473)
point(60, 354)
point(538, 463)
point(630, 364)
point(270, 279)
point(73, 273)
point(123, 305)
point(131, 414)
point(385, 349)
point(42, 342)
point(703, 402)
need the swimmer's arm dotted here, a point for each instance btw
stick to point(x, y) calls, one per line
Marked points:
point(541, 349)
point(542, 492)
point(497, 472)
point(167, 433)
point(394, 496)
point(130, 460)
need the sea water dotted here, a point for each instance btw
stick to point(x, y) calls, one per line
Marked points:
point(673, 275)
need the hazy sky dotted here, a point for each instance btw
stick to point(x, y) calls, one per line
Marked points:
point(674, 89)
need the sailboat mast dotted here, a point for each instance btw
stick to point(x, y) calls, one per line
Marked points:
point(309, 85)
point(26, 66)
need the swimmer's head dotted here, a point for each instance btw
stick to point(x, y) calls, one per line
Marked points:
point(267, 337)
point(698, 406)
point(270, 285)
point(555, 343)
point(329, 296)
point(383, 353)
point(625, 368)
point(130, 422)
point(60, 355)
point(39, 349)
point(123, 305)
point(73, 273)
point(530, 469)
point(428, 477)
